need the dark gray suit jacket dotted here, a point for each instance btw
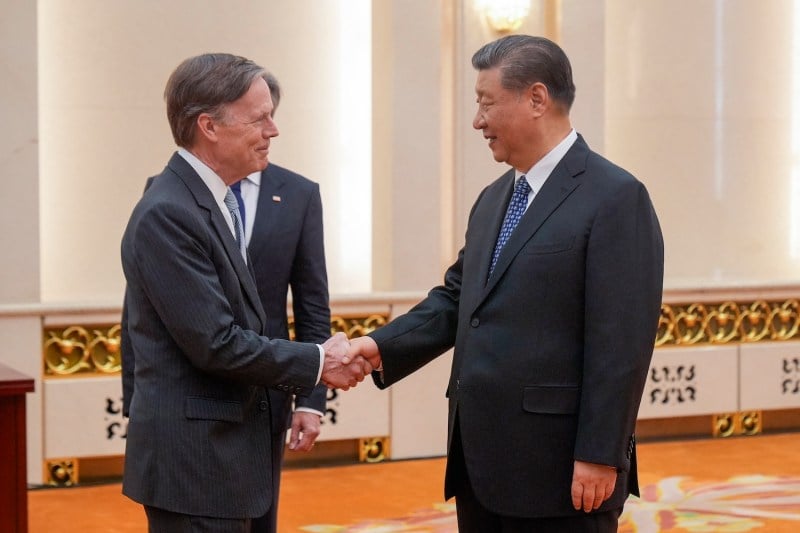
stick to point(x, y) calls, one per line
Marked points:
point(195, 363)
point(552, 352)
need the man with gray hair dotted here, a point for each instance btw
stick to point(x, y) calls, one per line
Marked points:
point(195, 362)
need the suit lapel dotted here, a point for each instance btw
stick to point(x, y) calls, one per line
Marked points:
point(206, 201)
point(558, 186)
point(488, 237)
point(268, 211)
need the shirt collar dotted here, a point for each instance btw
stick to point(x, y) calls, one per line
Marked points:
point(255, 178)
point(214, 183)
point(538, 173)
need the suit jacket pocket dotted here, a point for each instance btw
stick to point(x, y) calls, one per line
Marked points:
point(551, 399)
point(196, 408)
point(549, 247)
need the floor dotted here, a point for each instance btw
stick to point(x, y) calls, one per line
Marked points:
point(738, 485)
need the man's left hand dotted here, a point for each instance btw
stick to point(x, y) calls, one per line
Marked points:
point(305, 430)
point(592, 484)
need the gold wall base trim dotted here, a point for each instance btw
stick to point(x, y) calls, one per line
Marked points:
point(721, 425)
point(61, 472)
point(374, 449)
point(743, 423)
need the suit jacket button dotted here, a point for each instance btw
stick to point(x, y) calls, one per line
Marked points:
point(263, 405)
point(474, 322)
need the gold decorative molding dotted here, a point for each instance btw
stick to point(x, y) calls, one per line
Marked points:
point(62, 472)
point(352, 326)
point(736, 424)
point(84, 349)
point(728, 322)
point(373, 449)
point(93, 349)
point(79, 349)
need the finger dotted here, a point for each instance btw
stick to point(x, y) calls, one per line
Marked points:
point(366, 367)
point(588, 498)
point(294, 440)
point(598, 500)
point(609, 491)
point(577, 495)
point(305, 444)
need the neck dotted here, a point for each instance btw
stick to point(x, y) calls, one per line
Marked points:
point(207, 157)
point(549, 135)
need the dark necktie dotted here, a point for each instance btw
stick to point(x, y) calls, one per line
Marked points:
point(237, 191)
point(516, 208)
point(233, 208)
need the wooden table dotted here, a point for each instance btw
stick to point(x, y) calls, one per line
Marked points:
point(13, 472)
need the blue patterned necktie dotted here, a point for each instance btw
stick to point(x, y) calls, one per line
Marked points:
point(233, 209)
point(237, 192)
point(516, 208)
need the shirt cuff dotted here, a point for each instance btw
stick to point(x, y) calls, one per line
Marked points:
point(309, 410)
point(321, 362)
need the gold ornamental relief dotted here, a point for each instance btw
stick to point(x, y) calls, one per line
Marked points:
point(85, 349)
point(352, 326)
point(82, 349)
point(743, 423)
point(727, 322)
point(373, 449)
point(784, 321)
point(66, 352)
point(62, 472)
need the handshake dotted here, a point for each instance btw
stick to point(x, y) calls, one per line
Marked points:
point(347, 362)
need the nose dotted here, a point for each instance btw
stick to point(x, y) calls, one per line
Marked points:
point(270, 129)
point(478, 122)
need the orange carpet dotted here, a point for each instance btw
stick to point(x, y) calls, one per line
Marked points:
point(721, 485)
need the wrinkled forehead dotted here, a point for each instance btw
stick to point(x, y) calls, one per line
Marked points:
point(487, 81)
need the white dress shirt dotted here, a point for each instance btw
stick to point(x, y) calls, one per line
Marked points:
point(218, 191)
point(541, 170)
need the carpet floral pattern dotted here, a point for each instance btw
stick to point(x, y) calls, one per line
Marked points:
point(673, 504)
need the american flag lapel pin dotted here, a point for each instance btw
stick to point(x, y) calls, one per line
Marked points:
point(276, 198)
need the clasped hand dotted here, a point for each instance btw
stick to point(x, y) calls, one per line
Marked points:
point(347, 363)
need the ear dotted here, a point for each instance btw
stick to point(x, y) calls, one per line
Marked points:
point(539, 97)
point(207, 127)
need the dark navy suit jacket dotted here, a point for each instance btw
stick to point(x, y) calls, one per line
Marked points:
point(551, 351)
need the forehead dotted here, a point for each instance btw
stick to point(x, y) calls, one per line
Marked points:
point(256, 100)
point(488, 82)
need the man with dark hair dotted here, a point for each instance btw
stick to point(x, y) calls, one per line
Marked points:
point(552, 308)
point(195, 362)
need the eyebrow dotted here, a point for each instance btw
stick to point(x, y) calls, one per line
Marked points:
point(260, 117)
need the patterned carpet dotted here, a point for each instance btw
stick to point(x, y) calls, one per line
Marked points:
point(745, 503)
point(748, 484)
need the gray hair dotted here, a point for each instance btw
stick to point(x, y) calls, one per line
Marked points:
point(524, 60)
point(204, 84)
point(274, 89)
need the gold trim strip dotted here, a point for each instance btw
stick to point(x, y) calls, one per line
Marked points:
point(728, 322)
point(81, 349)
point(744, 423)
point(63, 472)
point(374, 449)
point(95, 349)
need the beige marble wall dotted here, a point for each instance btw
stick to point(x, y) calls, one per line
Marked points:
point(700, 100)
point(19, 152)
point(103, 66)
point(411, 125)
